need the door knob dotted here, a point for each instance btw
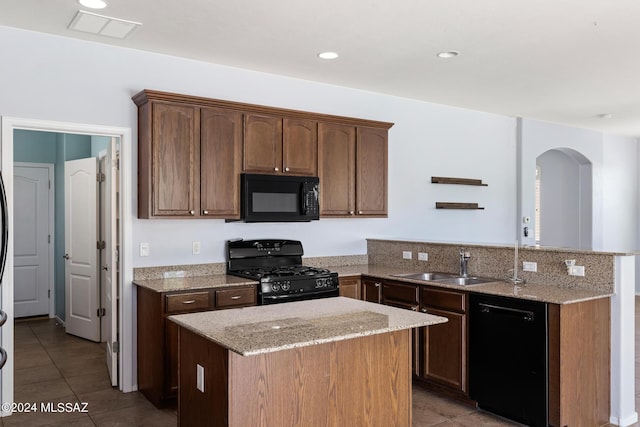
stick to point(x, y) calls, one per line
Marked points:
point(66, 256)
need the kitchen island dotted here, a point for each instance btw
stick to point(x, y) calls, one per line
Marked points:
point(327, 362)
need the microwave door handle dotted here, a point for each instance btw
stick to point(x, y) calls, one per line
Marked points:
point(303, 197)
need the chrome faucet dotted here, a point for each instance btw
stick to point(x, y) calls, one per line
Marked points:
point(464, 259)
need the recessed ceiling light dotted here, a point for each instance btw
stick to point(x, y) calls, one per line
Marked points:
point(328, 55)
point(93, 4)
point(448, 54)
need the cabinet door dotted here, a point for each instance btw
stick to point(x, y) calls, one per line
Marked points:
point(350, 287)
point(371, 172)
point(444, 351)
point(300, 147)
point(176, 160)
point(262, 144)
point(220, 163)
point(371, 290)
point(336, 169)
point(171, 359)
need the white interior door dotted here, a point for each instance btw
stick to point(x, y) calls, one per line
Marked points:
point(32, 244)
point(109, 271)
point(82, 296)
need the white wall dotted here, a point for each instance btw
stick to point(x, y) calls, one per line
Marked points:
point(69, 80)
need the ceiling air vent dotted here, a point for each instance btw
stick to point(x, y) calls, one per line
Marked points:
point(93, 23)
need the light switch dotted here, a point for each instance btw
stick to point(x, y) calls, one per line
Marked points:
point(195, 248)
point(144, 249)
point(406, 254)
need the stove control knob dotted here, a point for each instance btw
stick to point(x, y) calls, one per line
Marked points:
point(286, 286)
point(275, 286)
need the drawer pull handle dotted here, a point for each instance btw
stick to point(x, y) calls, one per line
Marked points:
point(236, 297)
point(191, 301)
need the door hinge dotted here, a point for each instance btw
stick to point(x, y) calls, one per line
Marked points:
point(49, 239)
point(49, 293)
point(101, 245)
point(100, 177)
point(49, 184)
point(115, 346)
point(101, 312)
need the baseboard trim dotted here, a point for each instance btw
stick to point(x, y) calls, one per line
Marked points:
point(624, 422)
point(59, 320)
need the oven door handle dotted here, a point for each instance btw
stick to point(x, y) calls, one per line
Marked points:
point(294, 296)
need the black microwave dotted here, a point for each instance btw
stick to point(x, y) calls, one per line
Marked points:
point(279, 198)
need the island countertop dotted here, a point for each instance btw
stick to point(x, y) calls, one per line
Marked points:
point(268, 328)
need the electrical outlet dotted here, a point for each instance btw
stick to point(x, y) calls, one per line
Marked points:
point(195, 248)
point(144, 249)
point(407, 255)
point(530, 266)
point(200, 377)
point(576, 270)
point(423, 256)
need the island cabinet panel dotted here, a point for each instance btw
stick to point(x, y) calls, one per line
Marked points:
point(220, 162)
point(356, 382)
point(579, 360)
point(350, 287)
point(175, 160)
point(444, 350)
point(158, 336)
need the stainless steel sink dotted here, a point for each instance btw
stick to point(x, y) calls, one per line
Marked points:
point(426, 276)
point(448, 278)
point(466, 281)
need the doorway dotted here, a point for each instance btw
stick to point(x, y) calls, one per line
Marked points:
point(564, 199)
point(126, 335)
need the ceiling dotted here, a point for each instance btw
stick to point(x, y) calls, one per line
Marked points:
point(565, 61)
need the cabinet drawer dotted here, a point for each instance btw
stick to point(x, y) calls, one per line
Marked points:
point(192, 301)
point(400, 292)
point(235, 297)
point(445, 299)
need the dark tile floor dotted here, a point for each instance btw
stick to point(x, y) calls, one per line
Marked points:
point(52, 366)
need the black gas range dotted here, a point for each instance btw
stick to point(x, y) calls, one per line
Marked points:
point(277, 265)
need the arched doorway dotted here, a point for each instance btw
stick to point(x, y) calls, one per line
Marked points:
point(564, 199)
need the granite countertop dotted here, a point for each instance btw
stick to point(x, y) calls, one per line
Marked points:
point(550, 293)
point(192, 283)
point(269, 328)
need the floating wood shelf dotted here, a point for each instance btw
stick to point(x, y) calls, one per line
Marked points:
point(458, 181)
point(452, 205)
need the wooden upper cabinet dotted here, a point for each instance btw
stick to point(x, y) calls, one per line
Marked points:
point(300, 147)
point(352, 165)
point(175, 151)
point(262, 144)
point(274, 145)
point(371, 172)
point(192, 150)
point(336, 169)
point(220, 162)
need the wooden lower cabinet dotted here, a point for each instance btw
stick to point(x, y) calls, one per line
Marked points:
point(371, 289)
point(350, 287)
point(158, 337)
point(443, 355)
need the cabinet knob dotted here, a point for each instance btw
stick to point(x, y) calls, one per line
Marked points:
point(414, 308)
point(205, 212)
point(351, 212)
point(378, 284)
point(286, 169)
point(276, 169)
point(192, 212)
point(424, 310)
point(359, 212)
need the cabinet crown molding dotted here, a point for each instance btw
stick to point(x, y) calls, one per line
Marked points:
point(147, 95)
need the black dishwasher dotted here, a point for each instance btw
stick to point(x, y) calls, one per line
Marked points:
point(508, 357)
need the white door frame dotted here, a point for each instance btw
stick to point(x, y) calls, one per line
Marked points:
point(127, 333)
point(52, 242)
